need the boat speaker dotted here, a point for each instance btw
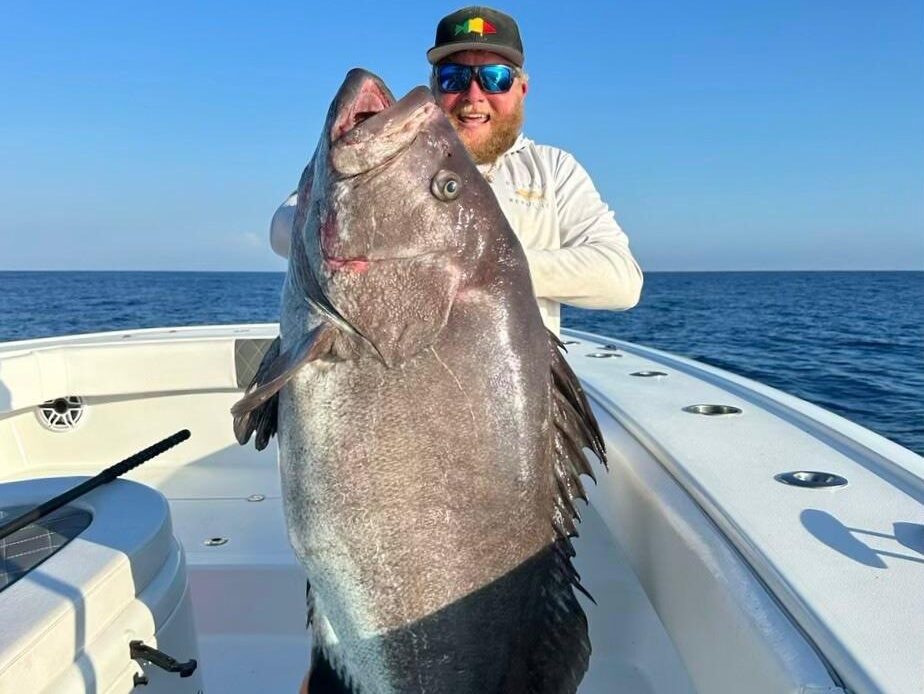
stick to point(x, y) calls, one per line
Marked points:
point(61, 414)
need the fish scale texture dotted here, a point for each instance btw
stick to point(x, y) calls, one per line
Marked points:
point(555, 652)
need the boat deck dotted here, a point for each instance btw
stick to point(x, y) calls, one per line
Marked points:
point(709, 574)
point(248, 593)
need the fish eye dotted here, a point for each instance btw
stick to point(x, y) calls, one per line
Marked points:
point(446, 185)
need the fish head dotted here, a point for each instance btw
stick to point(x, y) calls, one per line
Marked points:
point(391, 216)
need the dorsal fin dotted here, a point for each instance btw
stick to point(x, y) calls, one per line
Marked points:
point(562, 655)
point(574, 428)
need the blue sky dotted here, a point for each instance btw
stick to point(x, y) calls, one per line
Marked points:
point(726, 135)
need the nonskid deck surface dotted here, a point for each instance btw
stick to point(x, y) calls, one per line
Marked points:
point(248, 592)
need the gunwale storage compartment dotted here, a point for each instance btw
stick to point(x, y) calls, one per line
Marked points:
point(68, 622)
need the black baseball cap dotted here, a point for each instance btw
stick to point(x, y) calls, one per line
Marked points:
point(477, 28)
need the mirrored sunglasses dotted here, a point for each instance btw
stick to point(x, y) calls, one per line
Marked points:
point(452, 78)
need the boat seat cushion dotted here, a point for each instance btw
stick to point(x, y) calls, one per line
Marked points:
point(30, 546)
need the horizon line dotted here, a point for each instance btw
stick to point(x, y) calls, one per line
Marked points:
point(644, 271)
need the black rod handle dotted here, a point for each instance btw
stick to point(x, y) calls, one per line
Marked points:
point(105, 476)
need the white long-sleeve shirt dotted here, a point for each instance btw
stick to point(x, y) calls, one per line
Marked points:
point(576, 251)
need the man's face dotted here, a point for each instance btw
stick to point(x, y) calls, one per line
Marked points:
point(488, 124)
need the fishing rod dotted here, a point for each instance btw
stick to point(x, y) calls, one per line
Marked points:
point(102, 478)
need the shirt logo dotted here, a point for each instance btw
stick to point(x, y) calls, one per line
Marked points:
point(475, 25)
point(530, 193)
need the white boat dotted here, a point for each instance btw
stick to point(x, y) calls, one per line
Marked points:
point(742, 540)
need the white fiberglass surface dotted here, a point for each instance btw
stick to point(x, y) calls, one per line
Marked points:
point(846, 562)
point(248, 590)
point(249, 599)
point(252, 636)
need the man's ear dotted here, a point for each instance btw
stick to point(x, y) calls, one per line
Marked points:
point(525, 86)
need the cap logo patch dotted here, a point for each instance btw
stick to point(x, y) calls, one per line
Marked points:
point(475, 25)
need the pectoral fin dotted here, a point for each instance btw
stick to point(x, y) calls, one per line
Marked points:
point(256, 411)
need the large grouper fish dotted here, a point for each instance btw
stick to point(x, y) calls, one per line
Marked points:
point(431, 435)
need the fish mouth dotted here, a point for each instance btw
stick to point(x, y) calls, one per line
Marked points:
point(362, 96)
point(369, 127)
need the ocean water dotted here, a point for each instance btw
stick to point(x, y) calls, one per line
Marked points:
point(851, 342)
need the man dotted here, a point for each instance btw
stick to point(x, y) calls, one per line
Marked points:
point(577, 253)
